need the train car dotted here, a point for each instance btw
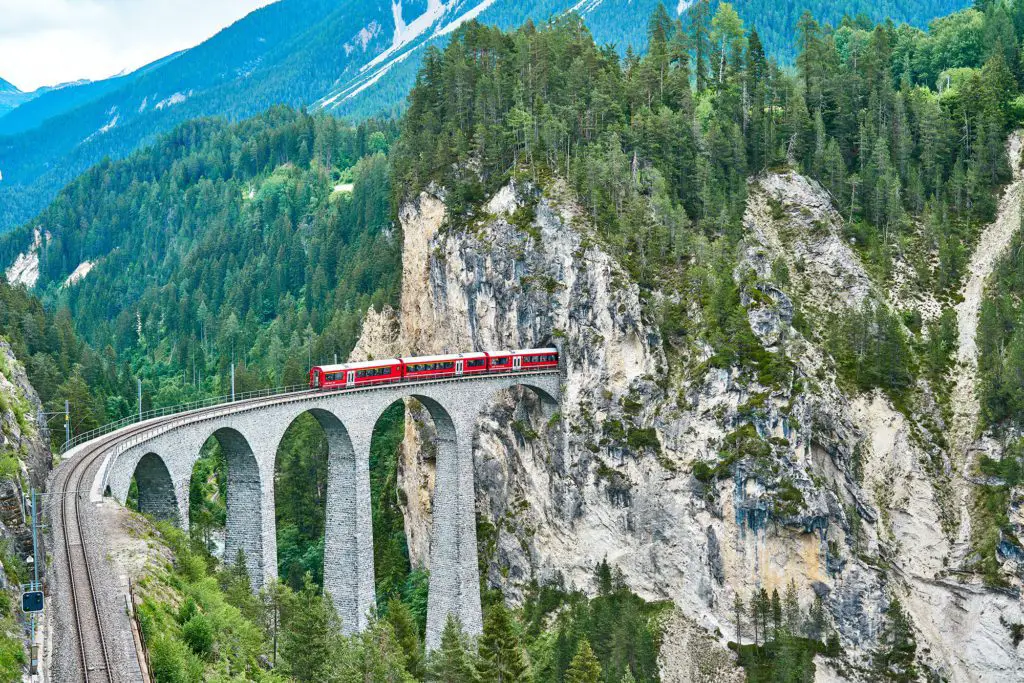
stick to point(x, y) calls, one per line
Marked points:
point(456, 365)
point(351, 375)
point(536, 359)
point(523, 359)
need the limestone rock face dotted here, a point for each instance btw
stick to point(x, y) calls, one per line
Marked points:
point(19, 408)
point(612, 475)
point(379, 337)
point(20, 438)
point(417, 465)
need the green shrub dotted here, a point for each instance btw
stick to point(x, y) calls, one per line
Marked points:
point(198, 635)
point(640, 439)
point(173, 661)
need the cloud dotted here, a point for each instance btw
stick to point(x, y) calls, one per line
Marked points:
point(45, 42)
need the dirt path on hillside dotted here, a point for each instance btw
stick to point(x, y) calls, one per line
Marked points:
point(995, 239)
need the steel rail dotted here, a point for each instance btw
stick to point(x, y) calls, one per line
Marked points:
point(79, 470)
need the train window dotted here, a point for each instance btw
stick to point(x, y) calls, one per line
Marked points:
point(478, 363)
point(500, 361)
point(449, 366)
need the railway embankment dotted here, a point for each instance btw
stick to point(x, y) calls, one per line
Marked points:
point(92, 636)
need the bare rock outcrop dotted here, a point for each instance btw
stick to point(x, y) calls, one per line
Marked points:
point(845, 502)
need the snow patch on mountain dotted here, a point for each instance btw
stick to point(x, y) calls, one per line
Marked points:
point(176, 98)
point(363, 38)
point(363, 82)
point(407, 33)
point(468, 16)
point(407, 39)
point(110, 124)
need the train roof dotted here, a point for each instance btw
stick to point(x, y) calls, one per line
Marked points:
point(520, 352)
point(441, 359)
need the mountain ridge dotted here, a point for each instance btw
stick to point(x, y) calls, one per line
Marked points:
point(355, 59)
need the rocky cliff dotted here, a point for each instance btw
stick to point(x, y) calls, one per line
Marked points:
point(20, 435)
point(843, 494)
point(25, 460)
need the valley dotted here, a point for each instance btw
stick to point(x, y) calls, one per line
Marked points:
point(764, 291)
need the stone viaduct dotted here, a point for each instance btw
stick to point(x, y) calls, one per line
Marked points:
point(162, 460)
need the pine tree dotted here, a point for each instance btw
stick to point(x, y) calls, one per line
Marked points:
point(584, 667)
point(737, 607)
point(406, 635)
point(501, 659)
point(700, 15)
point(453, 661)
point(815, 627)
point(310, 636)
point(897, 650)
point(776, 611)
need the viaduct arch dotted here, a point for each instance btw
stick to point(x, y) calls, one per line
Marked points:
point(162, 461)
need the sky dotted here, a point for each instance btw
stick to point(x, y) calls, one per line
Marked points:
point(45, 42)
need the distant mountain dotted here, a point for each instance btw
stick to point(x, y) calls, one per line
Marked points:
point(353, 58)
point(10, 97)
point(48, 102)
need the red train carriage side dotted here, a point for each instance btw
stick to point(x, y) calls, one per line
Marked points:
point(355, 374)
point(524, 359)
point(536, 359)
point(500, 362)
point(432, 367)
point(350, 375)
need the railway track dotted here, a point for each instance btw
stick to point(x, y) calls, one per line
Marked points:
point(92, 646)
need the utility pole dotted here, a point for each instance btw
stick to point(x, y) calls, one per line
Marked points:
point(232, 382)
point(67, 422)
point(35, 545)
point(139, 380)
point(35, 567)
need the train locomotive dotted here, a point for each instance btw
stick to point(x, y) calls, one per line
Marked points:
point(351, 375)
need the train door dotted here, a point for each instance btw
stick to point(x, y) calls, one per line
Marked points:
point(458, 368)
point(316, 380)
point(517, 362)
point(351, 378)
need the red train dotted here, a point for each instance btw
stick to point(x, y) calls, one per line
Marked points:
point(430, 367)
